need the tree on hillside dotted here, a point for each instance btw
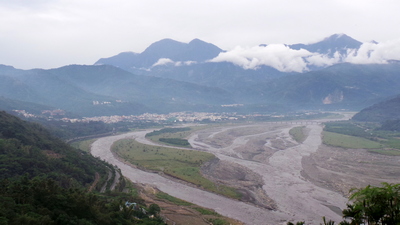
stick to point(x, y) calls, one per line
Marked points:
point(375, 205)
point(371, 206)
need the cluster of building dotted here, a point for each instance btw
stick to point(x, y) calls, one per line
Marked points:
point(152, 117)
point(146, 117)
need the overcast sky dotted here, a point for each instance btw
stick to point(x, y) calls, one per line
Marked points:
point(54, 33)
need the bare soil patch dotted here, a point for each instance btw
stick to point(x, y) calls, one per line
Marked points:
point(341, 169)
point(241, 178)
point(178, 214)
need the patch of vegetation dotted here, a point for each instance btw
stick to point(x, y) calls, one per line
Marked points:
point(347, 141)
point(204, 211)
point(298, 134)
point(178, 163)
point(83, 145)
point(389, 140)
point(177, 201)
point(176, 142)
point(348, 128)
point(218, 221)
point(391, 125)
point(394, 143)
point(167, 130)
point(391, 152)
point(370, 205)
point(380, 112)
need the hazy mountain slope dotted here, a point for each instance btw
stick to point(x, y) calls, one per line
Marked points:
point(151, 91)
point(41, 87)
point(105, 90)
point(380, 112)
point(11, 104)
point(223, 75)
point(347, 85)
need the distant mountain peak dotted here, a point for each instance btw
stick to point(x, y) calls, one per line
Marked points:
point(337, 36)
point(329, 45)
point(196, 50)
point(340, 38)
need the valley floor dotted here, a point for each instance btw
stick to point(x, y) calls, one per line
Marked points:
point(286, 180)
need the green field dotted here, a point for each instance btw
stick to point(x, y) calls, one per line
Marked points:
point(298, 134)
point(362, 135)
point(347, 141)
point(182, 164)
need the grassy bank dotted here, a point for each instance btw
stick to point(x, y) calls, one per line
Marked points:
point(182, 164)
point(347, 141)
point(298, 134)
point(83, 145)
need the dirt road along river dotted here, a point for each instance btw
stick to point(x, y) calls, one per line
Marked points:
point(296, 198)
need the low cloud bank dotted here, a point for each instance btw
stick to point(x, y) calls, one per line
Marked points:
point(278, 56)
point(285, 59)
point(375, 53)
point(166, 61)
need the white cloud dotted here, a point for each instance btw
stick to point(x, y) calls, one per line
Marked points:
point(162, 61)
point(49, 33)
point(375, 53)
point(284, 59)
point(278, 56)
point(186, 63)
point(323, 60)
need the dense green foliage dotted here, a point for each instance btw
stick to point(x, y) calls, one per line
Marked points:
point(375, 205)
point(298, 134)
point(391, 125)
point(371, 205)
point(45, 181)
point(27, 148)
point(176, 141)
point(167, 130)
point(44, 201)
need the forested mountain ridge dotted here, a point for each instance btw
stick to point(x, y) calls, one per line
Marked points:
point(196, 50)
point(44, 181)
point(380, 112)
point(386, 112)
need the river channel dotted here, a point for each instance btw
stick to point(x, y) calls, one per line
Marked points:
point(297, 199)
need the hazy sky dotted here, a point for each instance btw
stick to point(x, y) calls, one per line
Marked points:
point(54, 33)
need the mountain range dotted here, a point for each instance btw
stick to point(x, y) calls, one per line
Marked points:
point(173, 76)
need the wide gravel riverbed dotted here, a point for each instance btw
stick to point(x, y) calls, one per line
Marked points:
point(296, 198)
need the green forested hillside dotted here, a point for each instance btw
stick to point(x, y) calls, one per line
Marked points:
point(380, 112)
point(44, 181)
